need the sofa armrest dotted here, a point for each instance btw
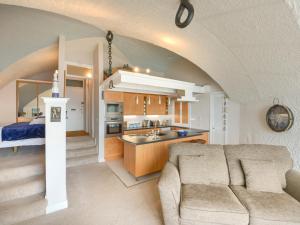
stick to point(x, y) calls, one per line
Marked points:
point(293, 183)
point(169, 190)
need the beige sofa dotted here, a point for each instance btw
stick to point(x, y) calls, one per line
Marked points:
point(229, 202)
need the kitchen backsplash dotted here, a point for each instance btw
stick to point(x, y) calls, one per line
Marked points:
point(137, 120)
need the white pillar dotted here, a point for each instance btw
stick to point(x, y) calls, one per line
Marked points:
point(55, 154)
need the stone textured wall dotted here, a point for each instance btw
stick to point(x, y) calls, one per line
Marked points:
point(255, 130)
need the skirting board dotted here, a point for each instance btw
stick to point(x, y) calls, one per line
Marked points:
point(56, 207)
point(101, 160)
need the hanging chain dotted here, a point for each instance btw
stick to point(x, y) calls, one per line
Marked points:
point(109, 38)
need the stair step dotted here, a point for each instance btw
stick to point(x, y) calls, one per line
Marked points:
point(81, 152)
point(21, 188)
point(19, 210)
point(21, 172)
point(79, 161)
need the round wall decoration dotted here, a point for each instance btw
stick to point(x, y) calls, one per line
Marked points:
point(280, 118)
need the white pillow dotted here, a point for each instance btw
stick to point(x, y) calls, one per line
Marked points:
point(39, 120)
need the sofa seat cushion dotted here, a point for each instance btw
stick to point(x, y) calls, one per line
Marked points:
point(269, 208)
point(211, 204)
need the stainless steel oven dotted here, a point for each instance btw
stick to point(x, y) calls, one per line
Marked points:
point(114, 109)
point(113, 126)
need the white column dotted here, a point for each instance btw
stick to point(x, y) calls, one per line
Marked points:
point(55, 154)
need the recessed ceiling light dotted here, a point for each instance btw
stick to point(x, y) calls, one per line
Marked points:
point(136, 69)
point(89, 75)
point(148, 70)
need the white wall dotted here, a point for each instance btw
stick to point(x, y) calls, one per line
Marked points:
point(184, 70)
point(81, 51)
point(233, 123)
point(8, 103)
point(200, 112)
point(255, 130)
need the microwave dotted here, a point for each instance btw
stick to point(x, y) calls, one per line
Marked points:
point(114, 109)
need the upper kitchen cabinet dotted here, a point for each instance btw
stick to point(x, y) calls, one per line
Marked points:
point(181, 112)
point(133, 104)
point(156, 105)
point(113, 96)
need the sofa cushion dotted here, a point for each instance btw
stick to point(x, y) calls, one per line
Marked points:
point(214, 152)
point(261, 175)
point(201, 169)
point(211, 204)
point(234, 153)
point(269, 208)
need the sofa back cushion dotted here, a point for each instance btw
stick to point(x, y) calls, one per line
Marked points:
point(261, 175)
point(214, 153)
point(200, 169)
point(279, 154)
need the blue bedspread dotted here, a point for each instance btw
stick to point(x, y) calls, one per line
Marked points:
point(20, 131)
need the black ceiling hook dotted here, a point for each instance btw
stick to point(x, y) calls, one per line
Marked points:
point(185, 4)
point(109, 36)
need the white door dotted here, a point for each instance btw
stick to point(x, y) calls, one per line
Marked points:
point(217, 119)
point(75, 106)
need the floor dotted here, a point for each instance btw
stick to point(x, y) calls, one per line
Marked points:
point(97, 197)
point(77, 133)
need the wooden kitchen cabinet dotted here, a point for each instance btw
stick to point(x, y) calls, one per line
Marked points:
point(185, 112)
point(133, 104)
point(157, 106)
point(181, 112)
point(144, 159)
point(177, 112)
point(113, 96)
point(113, 148)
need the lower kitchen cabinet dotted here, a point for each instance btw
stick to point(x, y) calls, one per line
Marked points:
point(114, 148)
point(144, 159)
point(140, 131)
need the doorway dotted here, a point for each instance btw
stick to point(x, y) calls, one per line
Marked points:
point(217, 118)
point(76, 105)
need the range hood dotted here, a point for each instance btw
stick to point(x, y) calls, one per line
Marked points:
point(143, 83)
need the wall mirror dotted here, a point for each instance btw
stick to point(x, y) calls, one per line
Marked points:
point(29, 95)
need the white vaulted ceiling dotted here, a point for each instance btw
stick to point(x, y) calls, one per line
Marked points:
point(250, 47)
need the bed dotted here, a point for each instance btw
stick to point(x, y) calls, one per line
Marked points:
point(22, 134)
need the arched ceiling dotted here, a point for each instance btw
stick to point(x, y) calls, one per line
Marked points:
point(250, 47)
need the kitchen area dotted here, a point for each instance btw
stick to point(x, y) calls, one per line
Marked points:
point(139, 127)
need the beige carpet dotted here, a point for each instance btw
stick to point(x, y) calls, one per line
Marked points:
point(127, 179)
point(97, 197)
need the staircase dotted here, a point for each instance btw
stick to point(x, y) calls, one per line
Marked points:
point(22, 185)
point(81, 151)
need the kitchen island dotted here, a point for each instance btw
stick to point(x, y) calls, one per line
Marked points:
point(145, 154)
